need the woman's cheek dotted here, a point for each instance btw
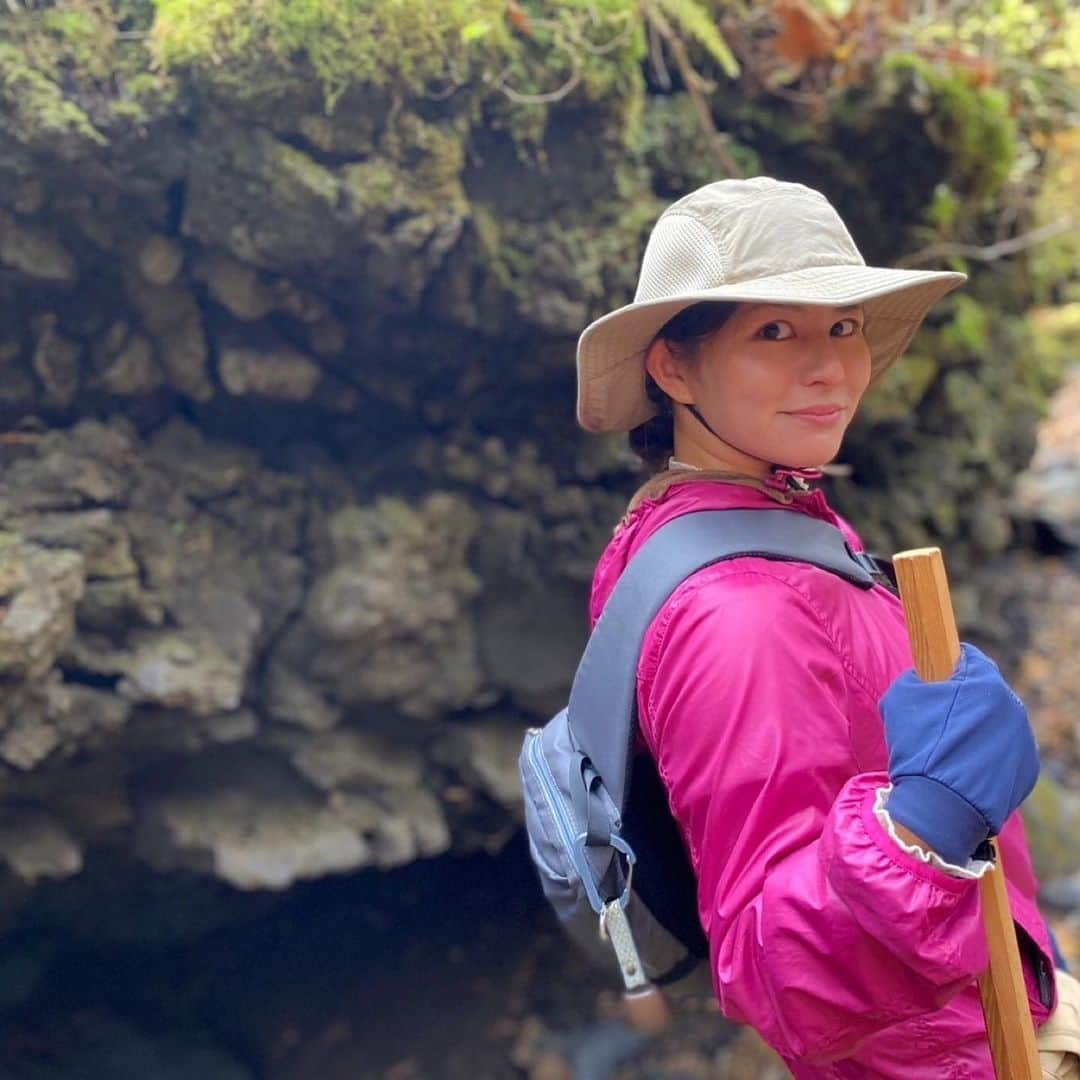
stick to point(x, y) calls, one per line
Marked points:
point(863, 366)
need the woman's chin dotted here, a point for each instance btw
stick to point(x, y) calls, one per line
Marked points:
point(809, 457)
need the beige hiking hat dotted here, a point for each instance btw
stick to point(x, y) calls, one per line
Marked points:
point(757, 240)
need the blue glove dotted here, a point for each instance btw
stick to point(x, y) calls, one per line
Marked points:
point(962, 756)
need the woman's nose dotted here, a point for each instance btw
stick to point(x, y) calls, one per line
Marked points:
point(824, 364)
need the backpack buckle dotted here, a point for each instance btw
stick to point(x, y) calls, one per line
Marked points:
point(589, 879)
point(878, 567)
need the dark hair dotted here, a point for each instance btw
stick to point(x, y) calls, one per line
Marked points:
point(684, 333)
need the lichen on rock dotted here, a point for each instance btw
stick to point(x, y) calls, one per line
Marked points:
point(285, 373)
point(387, 618)
point(41, 589)
point(244, 817)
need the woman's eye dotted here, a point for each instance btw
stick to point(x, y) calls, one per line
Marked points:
point(776, 331)
point(845, 328)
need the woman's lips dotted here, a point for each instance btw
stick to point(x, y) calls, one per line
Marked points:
point(822, 415)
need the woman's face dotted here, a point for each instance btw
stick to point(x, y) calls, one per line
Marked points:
point(777, 382)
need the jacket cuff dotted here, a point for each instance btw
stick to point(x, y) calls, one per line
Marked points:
point(972, 869)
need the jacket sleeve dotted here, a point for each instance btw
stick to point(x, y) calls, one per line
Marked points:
point(821, 930)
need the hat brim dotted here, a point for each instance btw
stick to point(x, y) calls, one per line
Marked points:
point(611, 395)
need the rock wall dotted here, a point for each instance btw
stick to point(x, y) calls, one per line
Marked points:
point(295, 525)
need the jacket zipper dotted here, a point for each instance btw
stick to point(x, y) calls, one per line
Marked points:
point(1043, 972)
point(1042, 977)
point(540, 766)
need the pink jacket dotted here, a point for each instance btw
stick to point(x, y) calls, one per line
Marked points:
point(758, 692)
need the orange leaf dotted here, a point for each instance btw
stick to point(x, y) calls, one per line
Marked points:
point(805, 33)
point(518, 19)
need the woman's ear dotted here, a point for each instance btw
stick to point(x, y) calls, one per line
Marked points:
point(668, 372)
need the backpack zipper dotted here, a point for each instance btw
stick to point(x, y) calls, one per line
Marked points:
point(542, 770)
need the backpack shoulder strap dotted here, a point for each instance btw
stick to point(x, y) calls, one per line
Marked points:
point(602, 713)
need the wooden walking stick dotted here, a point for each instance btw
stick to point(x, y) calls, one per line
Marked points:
point(935, 644)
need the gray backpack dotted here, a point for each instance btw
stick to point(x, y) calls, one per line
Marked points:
point(608, 853)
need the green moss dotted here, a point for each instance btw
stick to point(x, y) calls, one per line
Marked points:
point(676, 150)
point(602, 42)
point(294, 178)
point(416, 47)
point(968, 120)
point(371, 184)
point(434, 154)
point(151, 91)
point(503, 260)
point(418, 170)
point(525, 261)
point(60, 64)
point(36, 107)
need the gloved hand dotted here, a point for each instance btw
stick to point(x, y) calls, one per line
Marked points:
point(962, 756)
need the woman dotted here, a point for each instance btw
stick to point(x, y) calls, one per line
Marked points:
point(834, 841)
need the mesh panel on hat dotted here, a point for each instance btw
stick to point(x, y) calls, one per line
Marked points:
point(681, 257)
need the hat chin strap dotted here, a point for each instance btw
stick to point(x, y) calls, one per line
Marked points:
point(696, 413)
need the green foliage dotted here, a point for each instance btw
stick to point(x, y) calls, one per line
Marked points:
point(970, 121)
point(1054, 266)
point(969, 330)
point(1055, 335)
point(1030, 49)
point(901, 389)
point(697, 23)
point(1028, 53)
point(597, 46)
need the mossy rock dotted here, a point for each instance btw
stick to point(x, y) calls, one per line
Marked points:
point(421, 50)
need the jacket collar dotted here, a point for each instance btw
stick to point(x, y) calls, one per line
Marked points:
point(783, 485)
point(674, 492)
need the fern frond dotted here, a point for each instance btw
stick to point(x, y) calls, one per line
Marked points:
point(695, 21)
